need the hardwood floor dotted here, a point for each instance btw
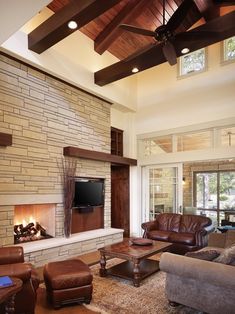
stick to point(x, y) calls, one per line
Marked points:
point(43, 307)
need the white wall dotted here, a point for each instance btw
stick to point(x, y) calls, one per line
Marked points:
point(165, 102)
point(15, 13)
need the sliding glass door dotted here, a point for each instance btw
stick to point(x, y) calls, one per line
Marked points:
point(214, 194)
point(161, 190)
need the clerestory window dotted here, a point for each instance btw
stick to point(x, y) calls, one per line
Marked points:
point(229, 49)
point(193, 62)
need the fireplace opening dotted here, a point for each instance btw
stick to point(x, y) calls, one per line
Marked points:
point(29, 232)
point(34, 222)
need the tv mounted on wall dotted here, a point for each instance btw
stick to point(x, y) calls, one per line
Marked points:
point(88, 193)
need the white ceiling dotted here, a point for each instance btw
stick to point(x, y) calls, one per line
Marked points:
point(14, 14)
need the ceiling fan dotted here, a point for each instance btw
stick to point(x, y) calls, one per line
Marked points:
point(166, 34)
point(215, 30)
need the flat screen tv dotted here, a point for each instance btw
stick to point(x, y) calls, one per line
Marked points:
point(89, 193)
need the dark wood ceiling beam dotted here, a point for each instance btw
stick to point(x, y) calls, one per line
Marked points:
point(224, 26)
point(111, 32)
point(224, 2)
point(55, 28)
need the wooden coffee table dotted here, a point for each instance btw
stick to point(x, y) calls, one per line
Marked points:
point(137, 266)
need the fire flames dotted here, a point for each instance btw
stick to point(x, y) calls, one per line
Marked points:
point(29, 230)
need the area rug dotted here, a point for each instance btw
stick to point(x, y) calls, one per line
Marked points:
point(112, 295)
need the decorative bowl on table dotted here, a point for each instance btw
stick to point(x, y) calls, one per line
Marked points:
point(141, 241)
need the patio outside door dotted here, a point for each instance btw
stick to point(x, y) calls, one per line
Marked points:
point(162, 190)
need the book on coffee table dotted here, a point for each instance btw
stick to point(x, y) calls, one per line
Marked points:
point(5, 281)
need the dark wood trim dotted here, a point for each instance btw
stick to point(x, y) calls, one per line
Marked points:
point(5, 139)
point(94, 155)
point(112, 31)
point(55, 28)
point(83, 220)
point(120, 198)
point(52, 76)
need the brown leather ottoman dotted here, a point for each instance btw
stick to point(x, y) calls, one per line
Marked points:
point(67, 282)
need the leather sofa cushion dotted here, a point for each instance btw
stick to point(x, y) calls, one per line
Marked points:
point(169, 222)
point(159, 235)
point(183, 238)
point(67, 274)
point(193, 223)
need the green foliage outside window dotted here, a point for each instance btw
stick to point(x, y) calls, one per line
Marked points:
point(192, 62)
point(229, 48)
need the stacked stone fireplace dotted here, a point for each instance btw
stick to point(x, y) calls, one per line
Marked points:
point(44, 115)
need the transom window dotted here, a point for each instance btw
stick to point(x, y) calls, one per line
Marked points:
point(188, 141)
point(193, 62)
point(228, 136)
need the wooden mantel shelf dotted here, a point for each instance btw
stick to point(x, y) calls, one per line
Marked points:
point(90, 154)
point(5, 139)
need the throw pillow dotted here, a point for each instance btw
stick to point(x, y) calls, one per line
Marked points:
point(209, 255)
point(227, 257)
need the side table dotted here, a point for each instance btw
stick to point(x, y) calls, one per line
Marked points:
point(7, 295)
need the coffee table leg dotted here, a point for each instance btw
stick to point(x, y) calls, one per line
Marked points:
point(103, 270)
point(136, 271)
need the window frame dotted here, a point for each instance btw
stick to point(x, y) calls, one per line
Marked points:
point(217, 210)
point(179, 63)
point(225, 61)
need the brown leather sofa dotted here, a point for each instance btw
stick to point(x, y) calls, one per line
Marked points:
point(186, 232)
point(12, 264)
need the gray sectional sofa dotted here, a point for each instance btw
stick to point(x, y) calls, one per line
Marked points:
point(204, 285)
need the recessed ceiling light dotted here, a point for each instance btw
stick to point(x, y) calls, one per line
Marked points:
point(185, 50)
point(135, 70)
point(72, 24)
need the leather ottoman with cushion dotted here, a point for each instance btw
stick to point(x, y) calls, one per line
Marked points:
point(68, 281)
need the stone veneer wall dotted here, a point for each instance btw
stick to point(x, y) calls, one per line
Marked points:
point(44, 115)
point(188, 170)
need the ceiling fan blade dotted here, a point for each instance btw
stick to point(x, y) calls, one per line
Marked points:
point(137, 30)
point(169, 52)
point(195, 35)
point(179, 15)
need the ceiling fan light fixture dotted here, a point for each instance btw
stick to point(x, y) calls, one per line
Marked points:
point(185, 50)
point(135, 70)
point(72, 25)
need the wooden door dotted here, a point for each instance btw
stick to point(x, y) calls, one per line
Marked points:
point(120, 199)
